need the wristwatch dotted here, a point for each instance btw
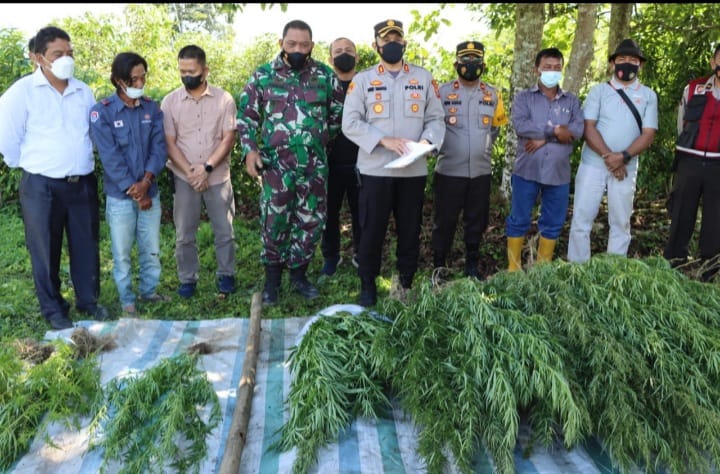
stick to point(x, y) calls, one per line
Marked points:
point(209, 168)
point(626, 157)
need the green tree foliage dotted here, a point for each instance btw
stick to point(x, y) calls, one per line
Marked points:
point(677, 38)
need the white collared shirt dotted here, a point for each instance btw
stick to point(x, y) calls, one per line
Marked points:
point(44, 132)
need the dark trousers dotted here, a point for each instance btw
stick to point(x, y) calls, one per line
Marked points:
point(379, 197)
point(450, 196)
point(696, 180)
point(53, 208)
point(342, 182)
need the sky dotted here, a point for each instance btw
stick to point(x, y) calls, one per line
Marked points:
point(328, 22)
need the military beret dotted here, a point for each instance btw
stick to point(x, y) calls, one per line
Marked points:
point(385, 27)
point(470, 47)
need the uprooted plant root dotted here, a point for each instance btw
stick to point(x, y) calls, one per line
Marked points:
point(87, 343)
point(33, 351)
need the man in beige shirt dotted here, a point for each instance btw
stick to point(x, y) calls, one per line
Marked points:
point(200, 127)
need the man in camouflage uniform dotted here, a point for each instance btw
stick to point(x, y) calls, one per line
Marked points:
point(388, 106)
point(294, 104)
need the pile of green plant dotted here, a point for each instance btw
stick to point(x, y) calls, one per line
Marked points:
point(60, 388)
point(627, 350)
point(158, 419)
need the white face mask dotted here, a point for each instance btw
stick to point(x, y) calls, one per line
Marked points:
point(550, 78)
point(134, 93)
point(63, 67)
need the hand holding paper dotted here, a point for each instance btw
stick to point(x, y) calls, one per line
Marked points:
point(416, 151)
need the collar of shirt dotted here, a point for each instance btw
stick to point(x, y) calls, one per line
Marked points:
point(536, 88)
point(187, 95)
point(39, 79)
point(118, 104)
point(634, 85)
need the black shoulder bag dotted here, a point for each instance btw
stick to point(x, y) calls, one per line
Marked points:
point(629, 103)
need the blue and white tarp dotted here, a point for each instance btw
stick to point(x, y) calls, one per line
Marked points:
point(367, 446)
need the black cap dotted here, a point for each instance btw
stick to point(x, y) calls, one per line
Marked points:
point(470, 47)
point(385, 27)
point(627, 47)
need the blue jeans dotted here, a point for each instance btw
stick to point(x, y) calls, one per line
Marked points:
point(128, 225)
point(554, 202)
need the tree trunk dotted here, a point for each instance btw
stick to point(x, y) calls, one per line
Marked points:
point(529, 23)
point(620, 14)
point(581, 54)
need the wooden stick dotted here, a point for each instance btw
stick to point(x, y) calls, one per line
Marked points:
point(237, 436)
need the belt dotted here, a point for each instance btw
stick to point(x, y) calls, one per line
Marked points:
point(70, 179)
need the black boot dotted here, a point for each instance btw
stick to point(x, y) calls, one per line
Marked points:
point(406, 280)
point(273, 276)
point(472, 257)
point(368, 292)
point(300, 283)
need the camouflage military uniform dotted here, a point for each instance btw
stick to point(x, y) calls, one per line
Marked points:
point(288, 116)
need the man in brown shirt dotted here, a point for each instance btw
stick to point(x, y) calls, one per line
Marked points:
point(200, 126)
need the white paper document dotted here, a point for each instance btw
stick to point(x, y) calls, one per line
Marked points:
point(417, 150)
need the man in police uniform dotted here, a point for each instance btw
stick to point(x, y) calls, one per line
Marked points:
point(697, 172)
point(386, 107)
point(474, 112)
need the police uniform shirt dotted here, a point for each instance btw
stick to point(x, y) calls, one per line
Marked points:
point(472, 117)
point(45, 132)
point(379, 105)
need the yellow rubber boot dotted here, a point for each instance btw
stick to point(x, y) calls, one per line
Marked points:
point(546, 248)
point(514, 252)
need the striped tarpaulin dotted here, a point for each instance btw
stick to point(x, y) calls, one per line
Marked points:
point(366, 446)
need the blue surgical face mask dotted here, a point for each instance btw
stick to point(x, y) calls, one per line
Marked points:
point(550, 78)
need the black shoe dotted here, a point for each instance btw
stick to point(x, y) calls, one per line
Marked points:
point(300, 283)
point(60, 321)
point(186, 290)
point(226, 284)
point(471, 270)
point(273, 278)
point(99, 313)
point(330, 265)
point(305, 288)
point(270, 296)
point(368, 293)
point(367, 298)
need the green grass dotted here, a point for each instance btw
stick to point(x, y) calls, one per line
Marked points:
point(20, 314)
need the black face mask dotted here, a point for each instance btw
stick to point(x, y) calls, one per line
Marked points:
point(192, 82)
point(471, 71)
point(345, 62)
point(296, 60)
point(392, 52)
point(717, 70)
point(626, 71)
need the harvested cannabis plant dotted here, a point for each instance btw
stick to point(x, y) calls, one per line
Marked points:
point(62, 388)
point(623, 350)
point(158, 419)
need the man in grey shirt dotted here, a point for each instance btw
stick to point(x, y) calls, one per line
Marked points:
point(547, 120)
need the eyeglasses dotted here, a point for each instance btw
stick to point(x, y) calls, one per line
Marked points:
point(470, 59)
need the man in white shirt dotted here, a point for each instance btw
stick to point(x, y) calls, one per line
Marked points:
point(44, 129)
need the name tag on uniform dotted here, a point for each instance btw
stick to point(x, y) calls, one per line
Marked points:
point(118, 123)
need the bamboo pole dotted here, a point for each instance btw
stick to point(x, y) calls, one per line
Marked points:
point(237, 436)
